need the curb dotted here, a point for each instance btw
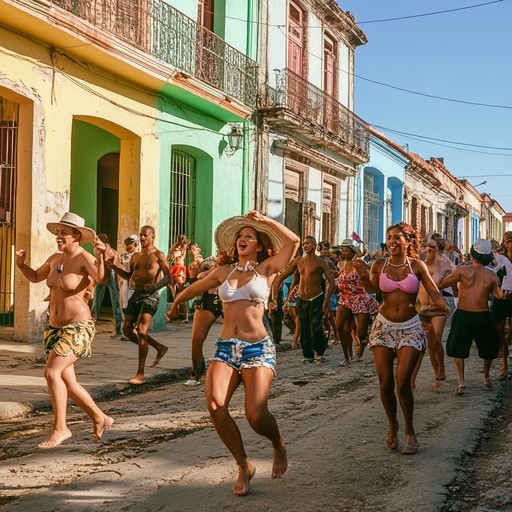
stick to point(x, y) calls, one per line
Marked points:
point(14, 410)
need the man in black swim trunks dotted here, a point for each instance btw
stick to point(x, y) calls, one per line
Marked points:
point(145, 268)
point(472, 319)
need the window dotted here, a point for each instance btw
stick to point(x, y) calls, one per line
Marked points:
point(205, 14)
point(331, 107)
point(296, 39)
point(371, 212)
point(209, 53)
point(182, 196)
point(329, 211)
point(293, 200)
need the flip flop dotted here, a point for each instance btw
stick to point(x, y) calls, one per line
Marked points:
point(460, 390)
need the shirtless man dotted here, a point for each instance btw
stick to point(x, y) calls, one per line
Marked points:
point(449, 247)
point(439, 268)
point(145, 268)
point(311, 301)
point(472, 319)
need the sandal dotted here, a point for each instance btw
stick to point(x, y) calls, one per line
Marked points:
point(460, 390)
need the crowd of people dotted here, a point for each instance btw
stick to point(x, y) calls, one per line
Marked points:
point(394, 302)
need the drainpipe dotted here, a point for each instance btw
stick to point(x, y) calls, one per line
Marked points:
point(246, 172)
point(248, 43)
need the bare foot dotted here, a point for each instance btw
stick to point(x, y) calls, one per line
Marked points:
point(137, 380)
point(55, 439)
point(437, 383)
point(280, 464)
point(487, 384)
point(411, 444)
point(100, 427)
point(392, 437)
point(242, 485)
point(160, 353)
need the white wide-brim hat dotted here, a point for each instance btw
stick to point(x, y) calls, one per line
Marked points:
point(348, 242)
point(74, 221)
point(227, 233)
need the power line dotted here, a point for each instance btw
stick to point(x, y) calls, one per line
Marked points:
point(410, 91)
point(434, 13)
point(485, 176)
point(444, 140)
point(433, 96)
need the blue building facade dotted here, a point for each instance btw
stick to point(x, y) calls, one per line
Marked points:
point(379, 190)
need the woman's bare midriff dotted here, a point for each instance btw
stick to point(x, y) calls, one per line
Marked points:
point(66, 309)
point(243, 320)
point(398, 306)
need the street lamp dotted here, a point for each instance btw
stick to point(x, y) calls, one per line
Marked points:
point(235, 138)
point(483, 183)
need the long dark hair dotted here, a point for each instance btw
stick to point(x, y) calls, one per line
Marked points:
point(412, 237)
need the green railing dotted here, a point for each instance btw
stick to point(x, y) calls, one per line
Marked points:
point(313, 105)
point(166, 34)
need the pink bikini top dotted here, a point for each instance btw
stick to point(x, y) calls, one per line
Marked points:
point(410, 284)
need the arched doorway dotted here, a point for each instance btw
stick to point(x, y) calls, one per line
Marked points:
point(107, 194)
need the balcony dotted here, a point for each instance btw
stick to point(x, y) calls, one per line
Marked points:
point(164, 33)
point(297, 106)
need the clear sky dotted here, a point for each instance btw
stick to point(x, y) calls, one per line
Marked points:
point(464, 55)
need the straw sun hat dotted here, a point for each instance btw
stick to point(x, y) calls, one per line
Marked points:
point(227, 232)
point(76, 222)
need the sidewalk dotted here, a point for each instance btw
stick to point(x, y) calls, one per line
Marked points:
point(106, 373)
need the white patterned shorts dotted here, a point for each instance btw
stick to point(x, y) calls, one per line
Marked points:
point(395, 335)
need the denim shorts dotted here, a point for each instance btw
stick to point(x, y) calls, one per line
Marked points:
point(242, 354)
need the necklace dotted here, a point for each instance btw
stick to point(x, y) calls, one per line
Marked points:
point(247, 267)
point(399, 265)
point(60, 266)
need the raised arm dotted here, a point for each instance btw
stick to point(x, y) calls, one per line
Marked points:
point(290, 240)
point(369, 275)
point(95, 266)
point(34, 276)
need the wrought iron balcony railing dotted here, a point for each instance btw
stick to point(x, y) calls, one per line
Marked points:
point(308, 102)
point(166, 34)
